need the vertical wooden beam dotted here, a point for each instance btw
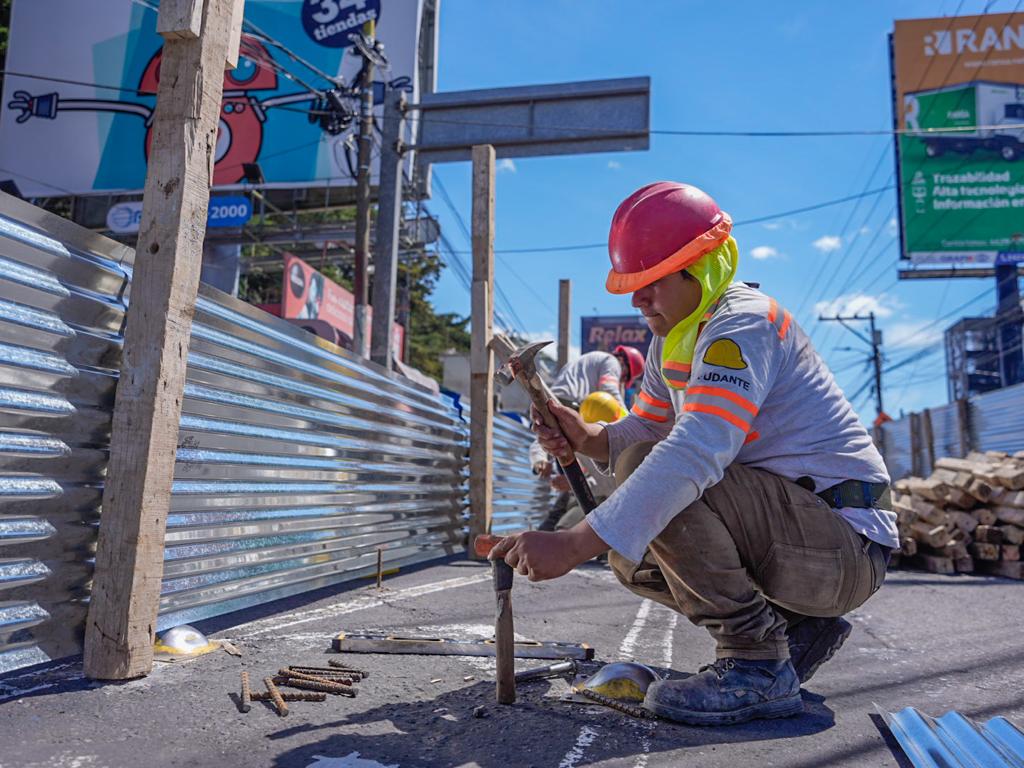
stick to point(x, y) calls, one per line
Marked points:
point(180, 19)
point(915, 445)
point(564, 304)
point(137, 492)
point(481, 359)
point(928, 438)
point(234, 34)
point(963, 425)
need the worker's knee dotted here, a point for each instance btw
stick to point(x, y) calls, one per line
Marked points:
point(621, 567)
point(630, 459)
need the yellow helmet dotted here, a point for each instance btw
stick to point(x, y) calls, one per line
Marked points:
point(601, 406)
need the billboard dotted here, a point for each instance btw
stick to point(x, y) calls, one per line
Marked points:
point(80, 122)
point(606, 333)
point(308, 295)
point(958, 89)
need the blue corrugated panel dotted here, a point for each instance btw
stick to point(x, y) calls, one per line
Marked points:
point(952, 741)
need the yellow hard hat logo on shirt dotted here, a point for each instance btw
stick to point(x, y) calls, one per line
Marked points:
point(726, 354)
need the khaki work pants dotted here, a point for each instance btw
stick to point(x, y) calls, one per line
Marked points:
point(754, 555)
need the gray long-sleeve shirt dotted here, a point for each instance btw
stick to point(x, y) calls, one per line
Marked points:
point(756, 392)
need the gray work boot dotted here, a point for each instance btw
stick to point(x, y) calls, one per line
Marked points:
point(728, 691)
point(814, 641)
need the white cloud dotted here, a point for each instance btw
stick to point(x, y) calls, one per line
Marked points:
point(614, 165)
point(865, 230)
point(858, 303)
point(913, 334)
point(761, 252)
point(828, 243)
point(506, 164)
point(893, 226)
point(772, 225)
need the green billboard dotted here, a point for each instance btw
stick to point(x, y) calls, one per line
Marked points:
point(959, 102)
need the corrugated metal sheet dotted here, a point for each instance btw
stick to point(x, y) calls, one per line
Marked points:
point(955, 741)
point(521, 499)
point(946, 431)
point(996, 423)
point(296, 462)
point(997, 419)
point(896, 448)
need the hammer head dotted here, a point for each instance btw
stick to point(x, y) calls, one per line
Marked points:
point(525, 357)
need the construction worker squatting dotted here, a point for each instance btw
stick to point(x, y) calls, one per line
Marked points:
point(750, 498)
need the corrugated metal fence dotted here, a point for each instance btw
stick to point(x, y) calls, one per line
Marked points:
point(296, 462)
point(993, 421)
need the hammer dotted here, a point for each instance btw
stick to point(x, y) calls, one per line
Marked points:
point(504, 633)
point(520, 364)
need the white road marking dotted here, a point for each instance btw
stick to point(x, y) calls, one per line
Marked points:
point(359, 603)
point(587, 734)
point(585, 738)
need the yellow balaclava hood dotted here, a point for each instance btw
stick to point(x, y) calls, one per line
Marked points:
point(714, 271)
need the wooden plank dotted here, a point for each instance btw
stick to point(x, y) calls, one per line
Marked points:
point(988, 534)
point(963, 425)
point(933, 490)
point(481, 358)
point(1012, 515)
point(934, 536)
point(1008, 569)
point(180, 20)
point(928, 438)
point(1009, 552)
point(964, 564)
point(963, 521)
point(933, 563)
point(564, 306)
point(916, 464)
point(1012, 534)
point(235, 34)
point(984, 515)
point(981, 551)
point(137, 492)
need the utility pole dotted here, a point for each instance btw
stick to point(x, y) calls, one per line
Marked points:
point(361, 283)
point(875, 342)
point(564, 299)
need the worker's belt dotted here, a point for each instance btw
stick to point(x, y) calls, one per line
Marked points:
point(849, 493)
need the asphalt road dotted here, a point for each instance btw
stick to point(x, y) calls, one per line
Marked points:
point(932, 642)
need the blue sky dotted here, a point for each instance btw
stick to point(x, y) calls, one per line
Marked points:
point(734, 66)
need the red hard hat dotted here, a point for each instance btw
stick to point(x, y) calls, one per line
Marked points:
point(635, 359)
point(660, 229)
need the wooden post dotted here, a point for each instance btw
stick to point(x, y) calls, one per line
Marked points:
point(481, 359)
point(928, 437)
point(564, 303)
point(137, 493)
point(963, 425)
point(915, 445)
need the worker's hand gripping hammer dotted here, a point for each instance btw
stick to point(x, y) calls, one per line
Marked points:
point(520, 364)
point(504, 632)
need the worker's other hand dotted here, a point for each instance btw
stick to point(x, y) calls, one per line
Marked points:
point(560, 483)
point(573, 433)
point(540, 555)
point(542, 468)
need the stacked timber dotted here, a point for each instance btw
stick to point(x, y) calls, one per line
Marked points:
point(966, 517)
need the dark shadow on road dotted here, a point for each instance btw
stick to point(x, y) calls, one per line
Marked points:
point(536, 731)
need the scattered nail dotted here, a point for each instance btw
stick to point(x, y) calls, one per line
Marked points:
point(436, 680)
point(480, 711)
point(467, 678)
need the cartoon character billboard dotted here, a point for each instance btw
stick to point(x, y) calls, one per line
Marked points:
point(82, 122)
point(958, 90)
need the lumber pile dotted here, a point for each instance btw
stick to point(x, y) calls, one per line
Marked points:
point(966, 517)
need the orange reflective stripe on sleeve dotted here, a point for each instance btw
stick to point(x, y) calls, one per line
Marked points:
point(782, 322)
point(676, 375)
point(751, 437)
point(714, 410)
point(653, 400)
point(608, 379)
point(725, 394)
point(639, 410)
